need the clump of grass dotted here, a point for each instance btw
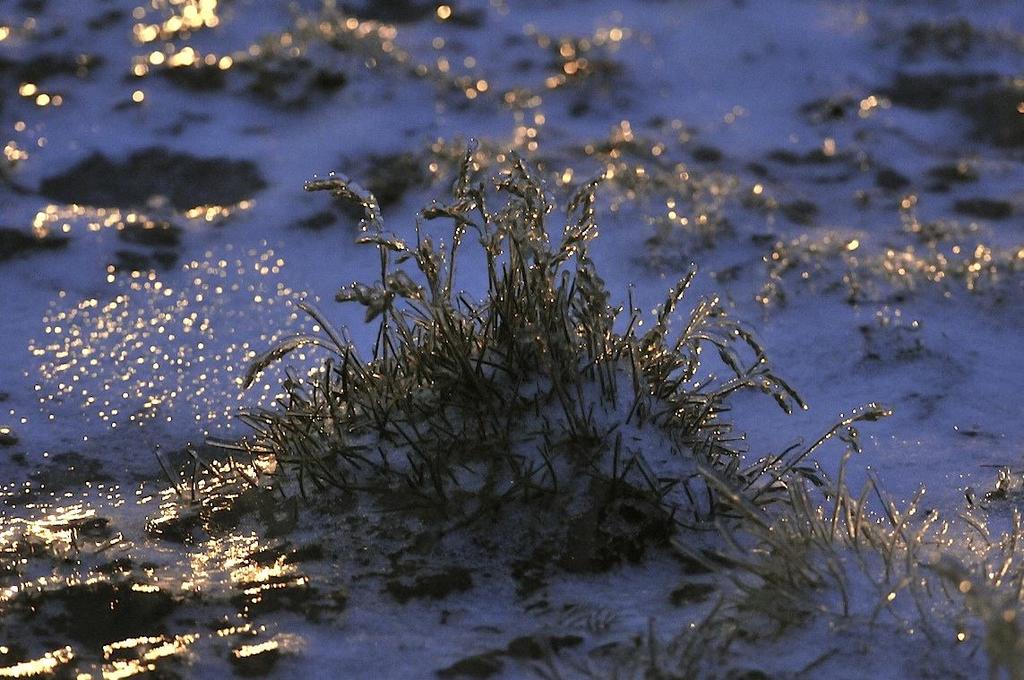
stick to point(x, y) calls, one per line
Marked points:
point(837, 566)
point(540, 391)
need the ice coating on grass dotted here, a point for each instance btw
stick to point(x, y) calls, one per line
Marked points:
point(807, 155)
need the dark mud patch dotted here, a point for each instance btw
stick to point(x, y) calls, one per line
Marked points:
point(829, 109)
point(477, 666)
point(288, 554)
point(11, 654)
point(535, 647)
point(890, 180)
point(185, 180)
point(95, 613)
point(105, 19)
point(614, 532)
point(155, 233)
point(799, 212)
point(888, 342)
point(932, 91)
point(39, 68)
point(531, 574)
point(132, 261)
point(997, 115)
point(1007, 489)
point(522, 649)
point(62, 473)
point(821, 165)
point(197, 78)
point(706, 154)
point(435, 584)
point(991, 102)
point(390, 177)
point(392, 11)
point(985, 208)
point(317, 221)
point(185, 120)
point(953, 39)
point(15, 242)
point(292, 83)
point(691, 593)
point(7, 437)
point(161, 236)
point(812, 157)
point(944, 175)
point(411, 11)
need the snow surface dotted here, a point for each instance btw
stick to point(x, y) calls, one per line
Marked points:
point(113, 366)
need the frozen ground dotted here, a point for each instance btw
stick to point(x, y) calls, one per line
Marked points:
point(847, 175)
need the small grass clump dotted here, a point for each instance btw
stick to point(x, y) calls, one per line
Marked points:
point(540, 392)
point(828, 569)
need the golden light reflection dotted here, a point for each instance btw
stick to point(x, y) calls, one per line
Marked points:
point(58, 533)
point(902, 268)
point(137, 656)
point(252, 650)
point(371, 44)
point(14, 153)
point(579, 58)
point(48, 664)
point(152, 350)
point(217, 213)
point(279, 643)
point(871, 103)
point(63, 217)
point(238, 563)
point(235, 568)
point(181, 18)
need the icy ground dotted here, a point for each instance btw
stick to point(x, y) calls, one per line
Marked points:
point(848, 176)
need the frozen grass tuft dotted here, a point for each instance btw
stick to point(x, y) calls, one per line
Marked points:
point(540, 391)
